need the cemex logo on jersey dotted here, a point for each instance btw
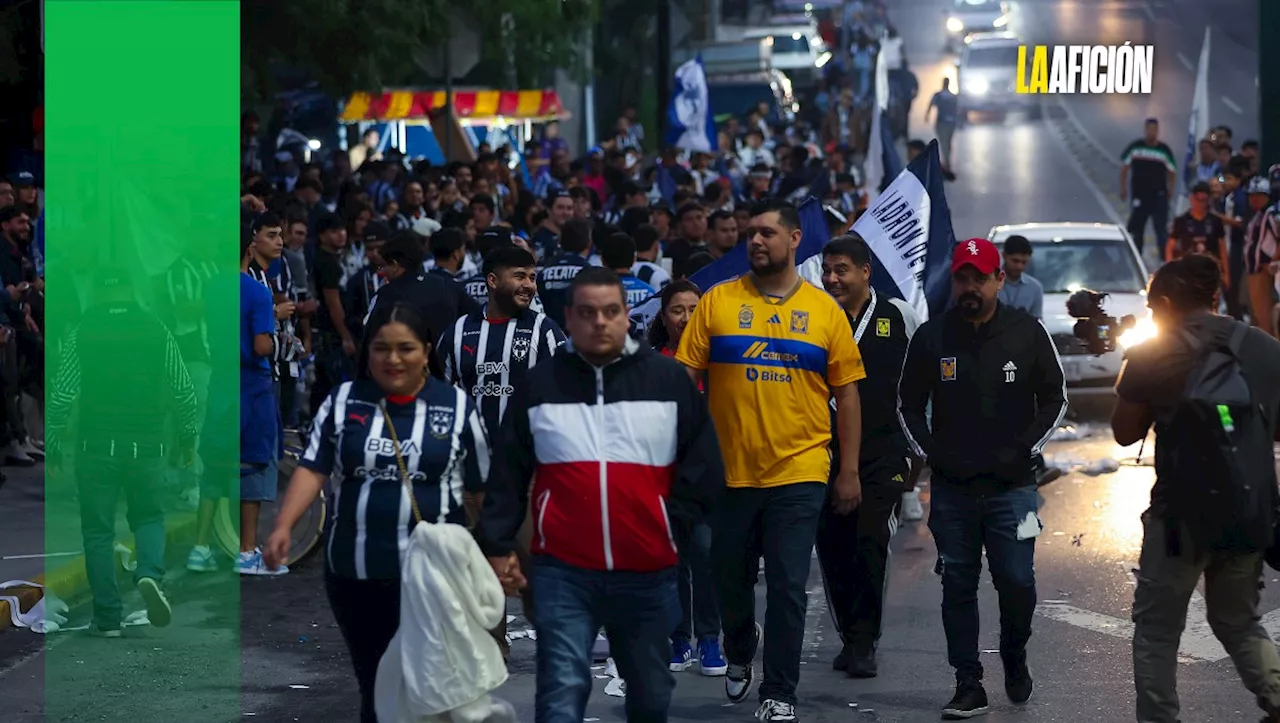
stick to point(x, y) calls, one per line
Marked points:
point(1097, 69)
point(760, 350)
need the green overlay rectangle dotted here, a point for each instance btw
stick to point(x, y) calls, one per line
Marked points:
point(142, 180)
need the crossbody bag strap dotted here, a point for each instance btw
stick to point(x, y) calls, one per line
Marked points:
point(404, 470)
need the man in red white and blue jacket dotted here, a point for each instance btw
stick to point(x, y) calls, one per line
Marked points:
point(624, 461)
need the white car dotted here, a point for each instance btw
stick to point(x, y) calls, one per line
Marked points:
point(987, 75)
point(797, 50)
point(1068, 257)
point(965, 17)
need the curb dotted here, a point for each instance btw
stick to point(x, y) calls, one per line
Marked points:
point(72, 579)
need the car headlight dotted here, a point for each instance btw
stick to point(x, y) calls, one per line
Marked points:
point(976, 86)
point(1001, 21)
point(954, 25)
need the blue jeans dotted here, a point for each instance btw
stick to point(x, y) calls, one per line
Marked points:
point(780, 524)
point(699, 610)
point(963, 523)
point(102, 479)
point(637, 610)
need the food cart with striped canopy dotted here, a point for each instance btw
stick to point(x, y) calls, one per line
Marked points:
point(413, 120)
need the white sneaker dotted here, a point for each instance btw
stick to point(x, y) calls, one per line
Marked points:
point(201, 559)
point(17, 456)
point(251, 563)
point(159, 612)
point(32, 449)
point(775, 710)
point(912, 510)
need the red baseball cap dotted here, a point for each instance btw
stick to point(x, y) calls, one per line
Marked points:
point(979, 253)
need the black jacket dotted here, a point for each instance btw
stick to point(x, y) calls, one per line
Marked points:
point(623, 461)
point(442, 301)
point(553, 284)
point(998, 394)
point(883, 346)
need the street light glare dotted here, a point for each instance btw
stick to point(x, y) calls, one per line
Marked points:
point(313, 144)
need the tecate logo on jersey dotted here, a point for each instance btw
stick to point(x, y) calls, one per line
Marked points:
point(385, 447)
point(491, 368)
point(758, 375)
point(387, 474)
point(560, 273)
point(492, 389)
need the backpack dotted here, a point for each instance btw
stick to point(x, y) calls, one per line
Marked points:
point(1218, 453)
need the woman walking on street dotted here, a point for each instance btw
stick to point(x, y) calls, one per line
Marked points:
point(699, 610)
point(400, 425)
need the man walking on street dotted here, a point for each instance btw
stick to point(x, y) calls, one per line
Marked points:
point(774, 349)
point(853, 549)
point(1197, 464)
point(1147, 177)
point(946, 106)
point(604, 550)
point(998, 393)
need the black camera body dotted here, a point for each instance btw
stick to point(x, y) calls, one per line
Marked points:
point(1099, 332)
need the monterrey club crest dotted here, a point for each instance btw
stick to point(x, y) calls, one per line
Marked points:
point(519, 348)
point(440, 420)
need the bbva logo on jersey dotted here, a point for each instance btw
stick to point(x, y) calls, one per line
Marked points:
point(387, 447)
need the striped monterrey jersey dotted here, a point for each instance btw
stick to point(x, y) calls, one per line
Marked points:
point(489, 358)
point(284, 358)
point(445, 451)
point(651, 274)
point(771, 364)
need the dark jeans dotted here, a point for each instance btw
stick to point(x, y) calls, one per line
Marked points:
point(963, 523)
point(14, 424)
point(637, 611)
point(1157, 211)
point(101, 478)
point(778, 523)
point(368, 614)
point(853, 551)
point(287, 393)
point(699, 610)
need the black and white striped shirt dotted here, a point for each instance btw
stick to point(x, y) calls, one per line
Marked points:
point(124, 368)
point(445, 451)
point(652, 274)
point(488, 358)
point(185, 284)
point(284, 360)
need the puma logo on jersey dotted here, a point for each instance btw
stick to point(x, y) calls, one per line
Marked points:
point(361, 418)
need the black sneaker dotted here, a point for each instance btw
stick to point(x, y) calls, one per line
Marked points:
point(841, 661)
point(862, 663)
point(1017, 681)
point(738, 678)
point(970, 701)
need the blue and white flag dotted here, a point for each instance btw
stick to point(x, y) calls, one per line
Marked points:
point(882, 164)
point(1199, 122)
point(692, 124)
point(908, 229)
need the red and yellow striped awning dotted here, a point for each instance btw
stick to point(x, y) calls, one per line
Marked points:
point(410, 105)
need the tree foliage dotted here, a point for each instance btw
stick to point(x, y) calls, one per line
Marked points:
point(351, 45)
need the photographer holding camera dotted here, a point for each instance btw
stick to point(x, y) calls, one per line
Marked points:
point(1211, 387)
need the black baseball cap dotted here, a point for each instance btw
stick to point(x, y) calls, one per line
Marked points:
point(555, 193)
point(10, 212)
point(22, 179)
point(376, 232)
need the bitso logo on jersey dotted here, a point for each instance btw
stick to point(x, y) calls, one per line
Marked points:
point(1063, 69)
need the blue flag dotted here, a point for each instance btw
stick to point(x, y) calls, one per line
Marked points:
point(692, 125)
point(909, 231)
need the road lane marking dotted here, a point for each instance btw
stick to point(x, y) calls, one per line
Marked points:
point(1232, 105)
point(1186, 62)
point(1107, 155)
point(1107, 207)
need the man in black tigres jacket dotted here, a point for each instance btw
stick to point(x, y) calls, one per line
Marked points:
point(855, 583)
point(997, 388)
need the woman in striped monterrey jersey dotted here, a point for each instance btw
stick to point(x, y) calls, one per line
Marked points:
point(399, 425)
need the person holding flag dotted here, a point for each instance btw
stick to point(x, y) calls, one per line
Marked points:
point(774, 350)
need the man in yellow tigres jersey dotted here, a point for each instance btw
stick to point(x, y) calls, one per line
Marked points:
point(774, 350)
